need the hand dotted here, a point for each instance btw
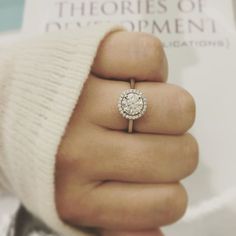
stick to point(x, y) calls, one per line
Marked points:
point(121, 183)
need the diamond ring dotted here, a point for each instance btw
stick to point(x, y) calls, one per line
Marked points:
point(132, 104)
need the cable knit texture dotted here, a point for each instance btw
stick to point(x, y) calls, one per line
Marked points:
point(40, 82)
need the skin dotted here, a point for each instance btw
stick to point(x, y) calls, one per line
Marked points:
point(113, 182)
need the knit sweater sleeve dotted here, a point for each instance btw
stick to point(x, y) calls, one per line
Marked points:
point(40, 82)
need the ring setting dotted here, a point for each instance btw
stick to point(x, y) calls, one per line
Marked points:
point(132, 104)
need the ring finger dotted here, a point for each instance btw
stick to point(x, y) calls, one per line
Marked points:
point(171, 109)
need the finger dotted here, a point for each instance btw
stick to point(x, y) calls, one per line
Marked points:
point(170, 109)
point(131, 158)
point(126, 206)
point(155, 232)
point(124, 54)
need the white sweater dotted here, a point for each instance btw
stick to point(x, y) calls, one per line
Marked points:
point(40, 82)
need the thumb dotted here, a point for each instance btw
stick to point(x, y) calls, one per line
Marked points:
point(154, 232)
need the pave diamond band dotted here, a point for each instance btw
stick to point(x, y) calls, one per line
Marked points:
point(132, 104)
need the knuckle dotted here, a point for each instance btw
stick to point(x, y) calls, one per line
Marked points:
point(83, 215)
point(67, 196)
point(64, 209)
point(191, 150)
point(151, 45)
point(61, 162)
point(68, 213)
point(68, 159)
point(150, 41)
point(66, 164)
point(62, 198)
point(187, 110)
point(175, 204)
point(75, 209)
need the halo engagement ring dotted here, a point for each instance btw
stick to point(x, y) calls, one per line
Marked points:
point(132, 104)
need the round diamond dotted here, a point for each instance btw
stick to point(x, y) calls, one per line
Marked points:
point(132, 104)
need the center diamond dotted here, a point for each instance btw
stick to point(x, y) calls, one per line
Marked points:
point(132, 104)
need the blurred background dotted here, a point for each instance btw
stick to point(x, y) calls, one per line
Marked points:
point(11, 14)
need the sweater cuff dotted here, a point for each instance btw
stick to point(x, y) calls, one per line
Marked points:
point(47, 76)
